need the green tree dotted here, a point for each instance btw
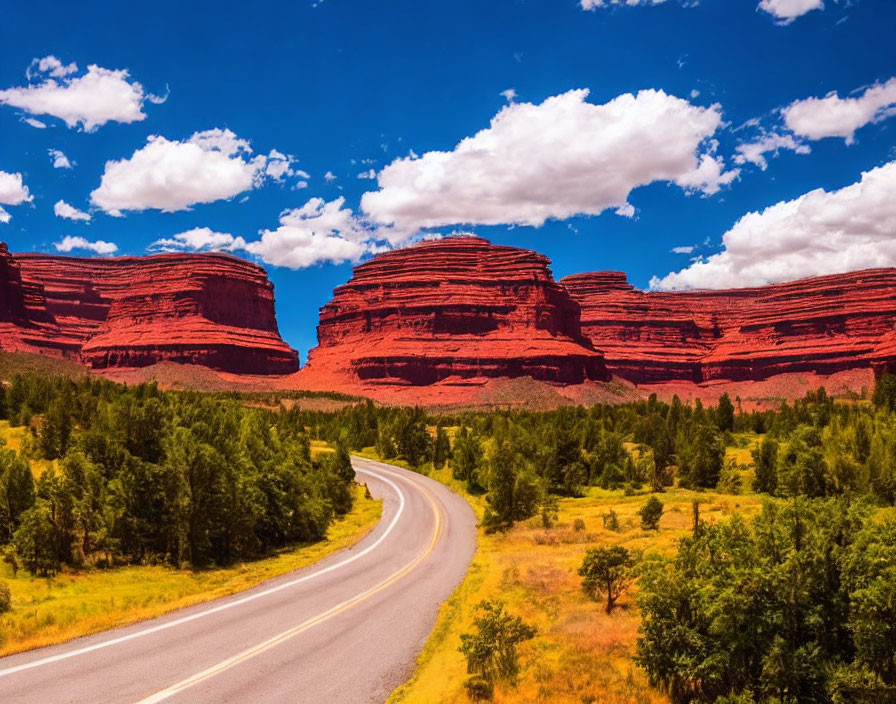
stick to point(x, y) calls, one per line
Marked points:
point(513, 493)
point(16, 492)
point(491, 652)
point(884, 395)
point(564, 468)
point(467, 458)
point(725, 414)
point(412, 439)
point(701, 457)
point(606, 572)
point(441, 448)
point(765, 461)
point(385, 446)
point(36, 540)
point(650, 514)
point(56, 429)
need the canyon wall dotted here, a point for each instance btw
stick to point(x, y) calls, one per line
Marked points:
point(456, 308)
point(824, 325)
point(209, 309)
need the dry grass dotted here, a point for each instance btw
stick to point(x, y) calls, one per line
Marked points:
point(319, 447)
point(581, 654)
point(47, 611)
point(11, 438)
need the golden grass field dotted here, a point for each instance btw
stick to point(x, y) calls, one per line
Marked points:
point(73, 604)
point(581, 655)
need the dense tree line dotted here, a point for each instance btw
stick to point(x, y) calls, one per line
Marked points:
point(145, 477)
point(812, 447)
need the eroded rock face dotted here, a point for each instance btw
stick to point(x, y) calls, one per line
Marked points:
point(453, 308)
point(824, 325)
point(208, 309)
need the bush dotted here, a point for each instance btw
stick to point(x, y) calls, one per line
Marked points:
point(650, 514)
point(491, 652)
point(611, 521)
point(5, 597)
point(578, 525)
point(479, 689)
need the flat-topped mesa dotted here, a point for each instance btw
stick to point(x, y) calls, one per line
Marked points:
point(214, 310)
point(823, 324)
point(455, 307)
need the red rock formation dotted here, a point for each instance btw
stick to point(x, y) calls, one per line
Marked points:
point(210, 309)
point(823, 325)
point(25, 324)
point(453, 308)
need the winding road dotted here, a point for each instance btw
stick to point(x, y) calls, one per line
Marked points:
point(346, 629)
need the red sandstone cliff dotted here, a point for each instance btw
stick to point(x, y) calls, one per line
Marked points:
point(458, 307)
point(824, 325)
point(210, 309)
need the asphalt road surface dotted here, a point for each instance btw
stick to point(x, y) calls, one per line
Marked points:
point(346, 629)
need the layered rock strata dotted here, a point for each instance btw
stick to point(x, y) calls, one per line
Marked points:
point(824, 325)
point(209, 309)
point(455, 308)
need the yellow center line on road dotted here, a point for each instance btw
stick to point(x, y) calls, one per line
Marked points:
point(168, 692)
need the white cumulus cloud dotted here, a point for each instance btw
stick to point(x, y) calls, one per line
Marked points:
point(4, 216)
point(68, 243)
point(317, 232)
point(683, 250)
point(833, 116)
point(170, 175)
point(64, 210)
point(557, 159)
point(509, 95)
point(279, 165)
point(199, 239)
point(754, 152)
point(99, 96)
point(52, 66)
point(593, 4)
point(821, 232)
point(786, 11)
point(13, 191)
point(60, 160)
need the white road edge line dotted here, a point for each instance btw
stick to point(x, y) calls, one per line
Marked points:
point(231, 604)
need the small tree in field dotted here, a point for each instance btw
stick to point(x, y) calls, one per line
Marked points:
point(607, 572)
point(650, 514)
point(491, 652)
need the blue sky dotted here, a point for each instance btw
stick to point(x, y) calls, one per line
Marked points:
point(631, 130)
